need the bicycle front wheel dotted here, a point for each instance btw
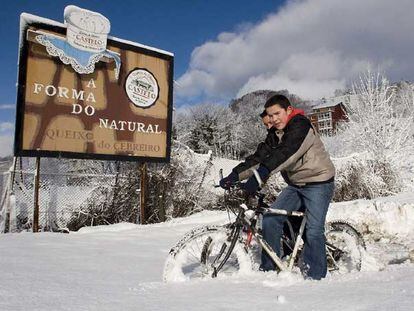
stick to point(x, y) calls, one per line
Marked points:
point(204, 252)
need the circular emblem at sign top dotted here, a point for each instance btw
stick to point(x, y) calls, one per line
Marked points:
point(142, 88)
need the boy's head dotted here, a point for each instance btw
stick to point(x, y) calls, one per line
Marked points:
point(278, 108)
point(266, 119)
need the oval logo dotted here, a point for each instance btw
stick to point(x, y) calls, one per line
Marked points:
point(142, 88)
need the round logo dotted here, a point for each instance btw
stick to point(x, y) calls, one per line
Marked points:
point(142, 88)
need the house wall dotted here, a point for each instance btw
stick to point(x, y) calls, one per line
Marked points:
point(337, 114)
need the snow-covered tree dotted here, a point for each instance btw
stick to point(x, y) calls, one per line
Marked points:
point(210, 127)
point(380, 132)
point(378, 123)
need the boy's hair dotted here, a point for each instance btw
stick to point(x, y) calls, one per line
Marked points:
point(263, 114)
point(278, 99)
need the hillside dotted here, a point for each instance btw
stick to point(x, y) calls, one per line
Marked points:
point(257, 99)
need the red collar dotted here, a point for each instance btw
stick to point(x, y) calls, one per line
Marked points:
point(295, 112)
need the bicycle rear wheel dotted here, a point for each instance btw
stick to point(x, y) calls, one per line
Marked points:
point(344, 247)
point(204, 251)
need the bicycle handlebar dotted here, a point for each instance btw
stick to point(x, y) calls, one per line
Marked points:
point(261, 205)
point(238, 183)
point(233, 186)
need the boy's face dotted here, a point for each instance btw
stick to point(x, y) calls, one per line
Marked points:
point(266, 122)
point(279, 117)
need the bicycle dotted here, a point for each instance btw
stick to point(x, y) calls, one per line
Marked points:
point(231, 248)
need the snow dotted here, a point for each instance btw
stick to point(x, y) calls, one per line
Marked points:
point(141, 46)
point(119, 267)
point(389, 217)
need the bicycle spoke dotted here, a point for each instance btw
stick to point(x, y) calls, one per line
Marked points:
point(206, 253)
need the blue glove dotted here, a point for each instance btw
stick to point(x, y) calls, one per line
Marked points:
point(229, 181)
point(251, 185)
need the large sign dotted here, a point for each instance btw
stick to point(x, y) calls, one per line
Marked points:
point(83, 94)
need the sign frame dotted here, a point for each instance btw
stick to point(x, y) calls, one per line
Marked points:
point(21, 97)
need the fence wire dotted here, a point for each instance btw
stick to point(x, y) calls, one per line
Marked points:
point(72, 193)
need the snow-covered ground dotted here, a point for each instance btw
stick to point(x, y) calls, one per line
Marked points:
point(119, 267)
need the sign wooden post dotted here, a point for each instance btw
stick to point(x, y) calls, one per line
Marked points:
point(36, 196)
point(143, 184)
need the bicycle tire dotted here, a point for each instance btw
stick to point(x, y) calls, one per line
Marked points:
point(200, 252)
point(344, 247)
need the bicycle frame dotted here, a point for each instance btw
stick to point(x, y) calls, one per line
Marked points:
point(276, 259)
point(251, 226)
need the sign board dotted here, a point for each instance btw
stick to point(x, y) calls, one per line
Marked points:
point(84, 94)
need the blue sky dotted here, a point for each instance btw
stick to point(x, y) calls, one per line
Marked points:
point(175, 26)
point(225, 49)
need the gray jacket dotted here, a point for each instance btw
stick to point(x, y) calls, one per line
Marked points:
point(297, 152)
